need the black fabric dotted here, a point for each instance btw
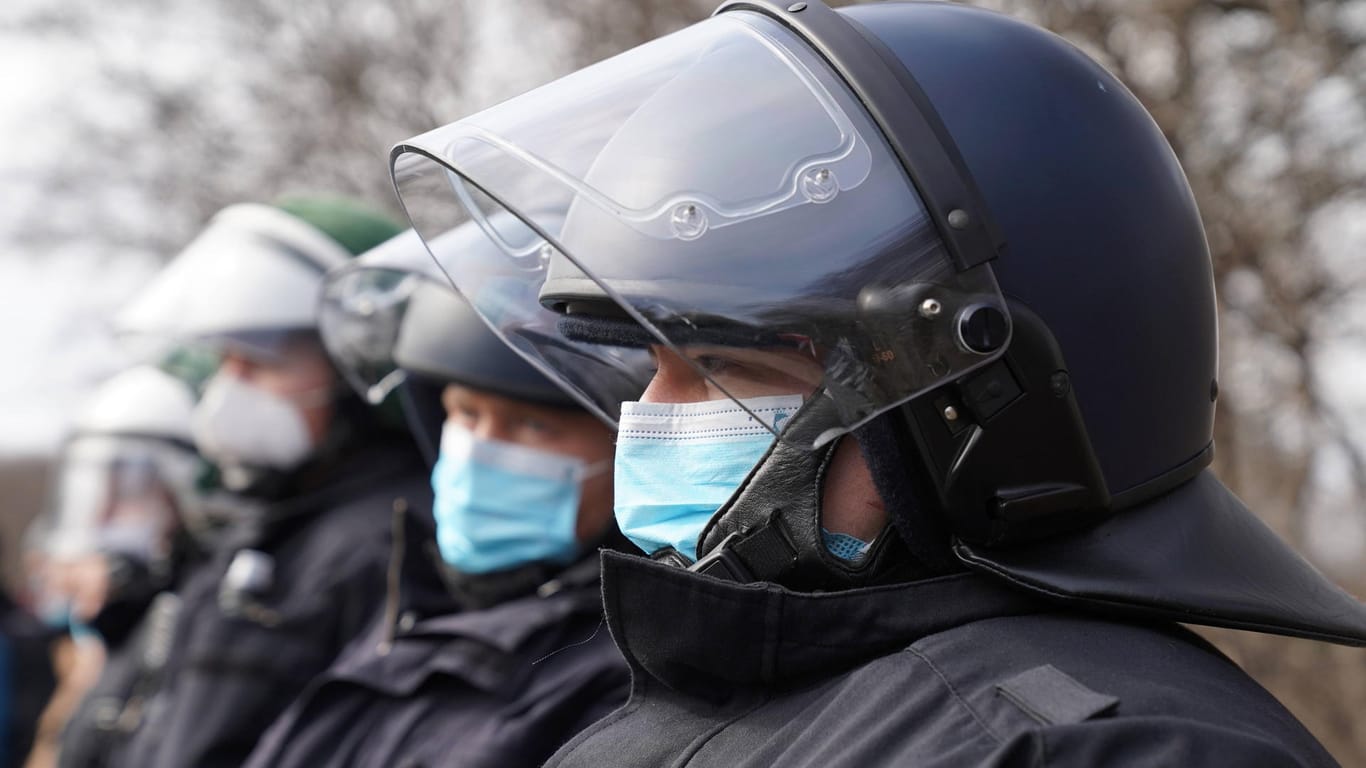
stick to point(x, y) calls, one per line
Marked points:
point(752, 675)
point(137, 630)
point(1195, 555)
point(431, 684)
point(1052, 697)
point(232, 672)
point(133, 587)
point(25, 650)
point(625, 332)
point(113, 708)
point(473, 592)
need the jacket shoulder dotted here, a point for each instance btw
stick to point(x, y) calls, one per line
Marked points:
point(1068, 689)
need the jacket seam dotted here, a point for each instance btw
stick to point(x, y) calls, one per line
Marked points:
point(956, 695)
point(698, 744)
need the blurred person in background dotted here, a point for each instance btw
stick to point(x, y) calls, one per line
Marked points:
point(489, 649)
point(286, 591)
point(134, 510)
point(109, 532)
point(922, 472)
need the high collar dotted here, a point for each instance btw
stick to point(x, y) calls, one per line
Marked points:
point(710, 637)
point(352, 478)
point(486, 648)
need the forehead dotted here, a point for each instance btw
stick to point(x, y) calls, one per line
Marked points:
point(459, 396)
point(283, 353)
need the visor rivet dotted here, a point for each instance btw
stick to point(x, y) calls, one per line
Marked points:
point(818, 184)
point(688, 221)
point(1060, 383)
point(959, 218)
point(796, 7)
point(545, 252)
point(930, 308)
point(950, 413)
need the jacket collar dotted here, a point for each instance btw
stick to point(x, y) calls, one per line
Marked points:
point(491, 649)
point(708, 637)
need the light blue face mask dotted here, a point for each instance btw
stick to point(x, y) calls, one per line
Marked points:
point(677, 463)
point(500, 505)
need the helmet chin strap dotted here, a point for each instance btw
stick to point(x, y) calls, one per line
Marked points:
point(770, 530)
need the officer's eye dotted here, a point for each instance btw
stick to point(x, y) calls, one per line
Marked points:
point(467, 415)
point(714, 364)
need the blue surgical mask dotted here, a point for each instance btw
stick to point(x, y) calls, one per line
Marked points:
point(847, 548)
point(500, 505)
point(677, 463)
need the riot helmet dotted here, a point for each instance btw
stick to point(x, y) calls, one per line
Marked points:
point(247, 289)
point(390, 320)
point(972, 240)
point(131, 494)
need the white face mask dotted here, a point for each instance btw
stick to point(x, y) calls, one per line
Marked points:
point(239, 424)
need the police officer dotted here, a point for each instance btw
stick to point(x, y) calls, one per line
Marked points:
point(134, 512)
point(283, 595)
point(490, 650)
point(954, 267)
point(126, 476)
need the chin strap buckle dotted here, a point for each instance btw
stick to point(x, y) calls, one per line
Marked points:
point(763, 553)
point(724, 563)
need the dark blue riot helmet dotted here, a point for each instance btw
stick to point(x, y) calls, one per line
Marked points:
point(398, 332)
point(984, 242)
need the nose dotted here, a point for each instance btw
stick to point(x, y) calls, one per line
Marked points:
point(675, 381)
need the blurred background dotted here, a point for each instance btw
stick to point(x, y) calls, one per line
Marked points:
point(124, 126)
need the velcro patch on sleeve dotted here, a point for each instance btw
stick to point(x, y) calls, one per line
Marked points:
point(1052, 697)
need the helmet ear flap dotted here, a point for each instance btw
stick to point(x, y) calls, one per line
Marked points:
point(1006, 447)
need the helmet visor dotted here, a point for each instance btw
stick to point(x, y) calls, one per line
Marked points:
point(119, 494)
point(723, 188)
point(361, 311)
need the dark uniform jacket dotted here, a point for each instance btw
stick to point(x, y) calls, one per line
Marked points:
point(954, 671)
point(113, 708)
point(432, 685)
point(26, 679)
point(137, 627)
point(239, 657)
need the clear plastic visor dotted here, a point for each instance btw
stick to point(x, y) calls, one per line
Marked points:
point(363, 304)
point(359, 318)
point(729, 200)
point(119, 494)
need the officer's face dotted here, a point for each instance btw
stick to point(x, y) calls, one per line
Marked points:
point(569, 432)
point(850, 501)
point(299, 373)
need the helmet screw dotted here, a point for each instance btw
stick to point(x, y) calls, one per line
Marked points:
point(950, 413)
point(959, 218)
point(1060, 383)
point(930, 308)
point(796, 8)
